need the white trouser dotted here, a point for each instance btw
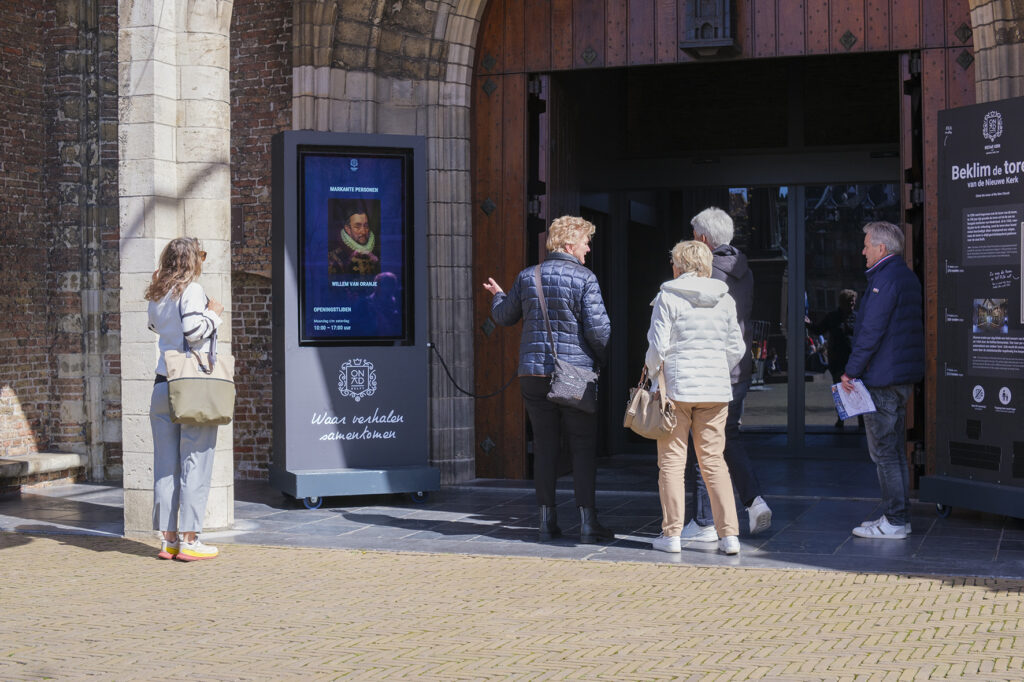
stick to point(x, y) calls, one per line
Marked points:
point(182, 467)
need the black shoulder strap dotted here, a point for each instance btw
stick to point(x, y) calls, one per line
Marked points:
point(186, 347)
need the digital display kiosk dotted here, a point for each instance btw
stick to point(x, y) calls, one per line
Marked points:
point(349, 314)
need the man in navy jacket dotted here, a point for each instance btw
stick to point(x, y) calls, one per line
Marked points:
point(888, 356)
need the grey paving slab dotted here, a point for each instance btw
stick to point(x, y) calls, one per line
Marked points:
point(815, 505)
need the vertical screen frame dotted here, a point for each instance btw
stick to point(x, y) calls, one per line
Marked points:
point(408, 284)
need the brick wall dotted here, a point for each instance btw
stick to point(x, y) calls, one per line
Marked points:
point(59, 230)
point(252, 346)
point(261, 103)
point(108, 224)
point(64, 176)
point(25, 335)
point(83, 237)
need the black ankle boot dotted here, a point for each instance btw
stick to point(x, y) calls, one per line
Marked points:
point(590, 530)
point(548, 524)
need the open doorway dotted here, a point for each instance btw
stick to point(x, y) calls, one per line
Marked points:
point(800, 152)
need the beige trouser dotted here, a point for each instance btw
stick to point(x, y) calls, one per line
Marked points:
point(707, 421)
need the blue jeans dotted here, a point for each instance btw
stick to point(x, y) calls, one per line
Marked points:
point(698, 504)
point(887, 445)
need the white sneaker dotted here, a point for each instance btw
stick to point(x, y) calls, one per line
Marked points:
point(879, 520)
point(168, 550)
point(882, 530)
point(693, 531)
point(194, 551)
point(730, 544)
point(666, 544)
point(760, 516)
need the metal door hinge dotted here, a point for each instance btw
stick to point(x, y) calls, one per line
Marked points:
point(916, 194)
point(914, 65)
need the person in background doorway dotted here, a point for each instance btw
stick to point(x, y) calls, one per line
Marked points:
point(180, 312)
point(714, 227)
point(838, 326)
point(581, 329)
point(888, 357)
point(696, 339)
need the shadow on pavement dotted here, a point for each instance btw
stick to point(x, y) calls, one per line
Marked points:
point(90, 542)
point(9, 540)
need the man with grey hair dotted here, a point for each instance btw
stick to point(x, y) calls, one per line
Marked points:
point(714, 227)
point(888, 357)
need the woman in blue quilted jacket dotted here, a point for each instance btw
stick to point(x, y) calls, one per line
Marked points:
point(580, 330)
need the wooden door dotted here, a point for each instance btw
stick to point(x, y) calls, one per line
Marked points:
point(499, 216)
point(524, 176)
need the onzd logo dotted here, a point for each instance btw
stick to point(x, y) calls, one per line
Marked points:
point(357, 379)
point(992, 126)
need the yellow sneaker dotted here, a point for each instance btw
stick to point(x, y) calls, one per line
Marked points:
point(195, 551)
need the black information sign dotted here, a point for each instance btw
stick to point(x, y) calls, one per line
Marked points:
point(980, 362)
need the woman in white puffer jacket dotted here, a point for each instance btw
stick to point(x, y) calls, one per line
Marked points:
point(695, 335)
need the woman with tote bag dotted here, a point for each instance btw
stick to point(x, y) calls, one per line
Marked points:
point(181, 313)
point(695, 340)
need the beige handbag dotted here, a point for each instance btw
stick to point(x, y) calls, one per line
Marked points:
point(648, 414)
point(201, 393)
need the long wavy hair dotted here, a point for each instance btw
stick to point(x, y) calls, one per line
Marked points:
point(181, 263)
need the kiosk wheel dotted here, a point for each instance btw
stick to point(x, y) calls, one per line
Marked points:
point(313, 502)
point(420, 496)
point(943, 510)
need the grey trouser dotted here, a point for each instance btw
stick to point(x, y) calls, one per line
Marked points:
point(182, 467)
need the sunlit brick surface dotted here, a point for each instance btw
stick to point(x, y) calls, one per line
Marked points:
point(78, 606)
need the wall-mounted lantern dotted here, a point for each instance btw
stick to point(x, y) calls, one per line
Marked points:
point(709, 29)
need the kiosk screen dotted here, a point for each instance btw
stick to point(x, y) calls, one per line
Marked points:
point(354, 227)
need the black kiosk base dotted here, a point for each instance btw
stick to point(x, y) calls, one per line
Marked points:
point(948, 492)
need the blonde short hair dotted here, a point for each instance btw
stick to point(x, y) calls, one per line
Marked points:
point(568, 229)
point(692, 256)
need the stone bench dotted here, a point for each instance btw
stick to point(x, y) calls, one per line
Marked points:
point(39, 467)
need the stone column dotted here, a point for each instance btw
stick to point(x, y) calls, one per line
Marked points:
point(998, 27)
point(174, 180)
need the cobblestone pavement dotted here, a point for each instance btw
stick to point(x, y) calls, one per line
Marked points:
point(80, 606)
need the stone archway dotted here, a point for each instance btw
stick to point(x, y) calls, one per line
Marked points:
point(405, 68)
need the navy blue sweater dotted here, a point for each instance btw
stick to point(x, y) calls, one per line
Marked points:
point(888, 338)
